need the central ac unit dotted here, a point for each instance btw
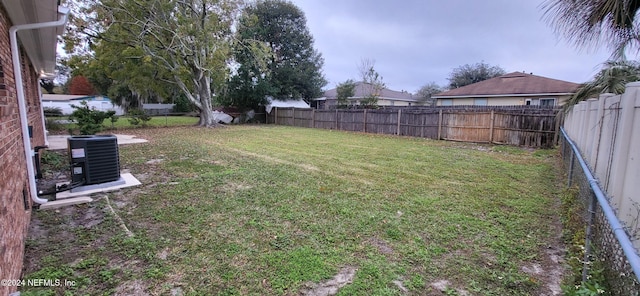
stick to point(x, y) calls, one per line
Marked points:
point(94, 159)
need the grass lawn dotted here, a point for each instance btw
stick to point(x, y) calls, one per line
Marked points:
point(271, 210)
point(123, 123)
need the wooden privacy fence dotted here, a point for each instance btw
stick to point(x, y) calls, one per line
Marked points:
point(525, 127)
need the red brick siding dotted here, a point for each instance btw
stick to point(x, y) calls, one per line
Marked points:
point(14, 218)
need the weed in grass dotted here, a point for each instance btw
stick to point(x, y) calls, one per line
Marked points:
point(297, 266)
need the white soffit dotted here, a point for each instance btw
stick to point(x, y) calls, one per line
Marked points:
point(39, 44)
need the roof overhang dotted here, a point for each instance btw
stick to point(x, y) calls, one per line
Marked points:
point(40, 44)
point(360, 98)
point(502, 96)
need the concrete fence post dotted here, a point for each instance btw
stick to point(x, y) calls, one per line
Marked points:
point(610, 118)
point(591, 129)
point(583, 109)
point(625, 169)
point(600, 117)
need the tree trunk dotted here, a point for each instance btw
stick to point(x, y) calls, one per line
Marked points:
point(204, 93)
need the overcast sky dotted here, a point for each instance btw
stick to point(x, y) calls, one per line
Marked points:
point(417, 41)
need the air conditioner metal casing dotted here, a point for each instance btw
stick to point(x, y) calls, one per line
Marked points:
point(93, 159)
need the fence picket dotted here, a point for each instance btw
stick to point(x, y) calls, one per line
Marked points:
point(527, 127)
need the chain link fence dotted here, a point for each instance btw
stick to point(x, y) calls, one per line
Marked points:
point(601, 242)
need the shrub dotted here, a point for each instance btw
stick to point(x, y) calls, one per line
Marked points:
point(138, 116)
point(113, 120)
point(53, 124)
point(89, 120)
point(52, 111)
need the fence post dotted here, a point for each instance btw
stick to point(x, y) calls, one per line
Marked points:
point(313, 118)
point(440, 125)
point(399, 114)
point(275, 118)
point(559, 120)
point(337, 119)
point(589, 233)
point(294, 116)
point(424, 118)
point(493, 121)
point(571, 161)
point(364, 128)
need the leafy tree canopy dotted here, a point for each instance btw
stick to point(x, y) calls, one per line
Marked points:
point(345, 90)
point(294, 68)
point(469, 74)
point(80, 85)
point(426, 91)
point(185, 43)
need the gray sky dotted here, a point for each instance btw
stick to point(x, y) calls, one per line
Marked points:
point(417, 41)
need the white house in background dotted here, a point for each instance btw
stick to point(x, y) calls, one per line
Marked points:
point(64, 102)
point(299, 103)
point(387, 97)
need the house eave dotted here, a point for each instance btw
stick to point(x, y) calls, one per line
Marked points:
point(503, 95)
point(40, 45)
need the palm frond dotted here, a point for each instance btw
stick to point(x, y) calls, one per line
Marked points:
point(593, 23)
point(611, 79)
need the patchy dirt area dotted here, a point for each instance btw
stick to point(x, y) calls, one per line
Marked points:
point(331, 287)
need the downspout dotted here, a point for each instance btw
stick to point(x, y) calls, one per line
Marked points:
point(44, 126)
point(22, 106)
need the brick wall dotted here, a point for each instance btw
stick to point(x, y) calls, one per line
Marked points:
point(15, 202)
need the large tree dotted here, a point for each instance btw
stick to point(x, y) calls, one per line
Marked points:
point(469, 74)
point(295, 67)
point(188, 39)
point(588, 23)
point(249, 84)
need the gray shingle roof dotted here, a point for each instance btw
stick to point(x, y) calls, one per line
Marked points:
point(363, 89)
point(515, 83)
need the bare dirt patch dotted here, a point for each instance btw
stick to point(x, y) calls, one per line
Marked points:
point(381, 245)
point(332, 286)
point(135, 287)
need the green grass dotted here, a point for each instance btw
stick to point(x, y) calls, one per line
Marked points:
point(266, 210)
point(156, 121)
point(123, 123)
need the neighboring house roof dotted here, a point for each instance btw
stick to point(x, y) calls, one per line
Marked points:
point(66, 98)
point(40, 44)
point(364, 89)
point(512, 84)
point(299, 103)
